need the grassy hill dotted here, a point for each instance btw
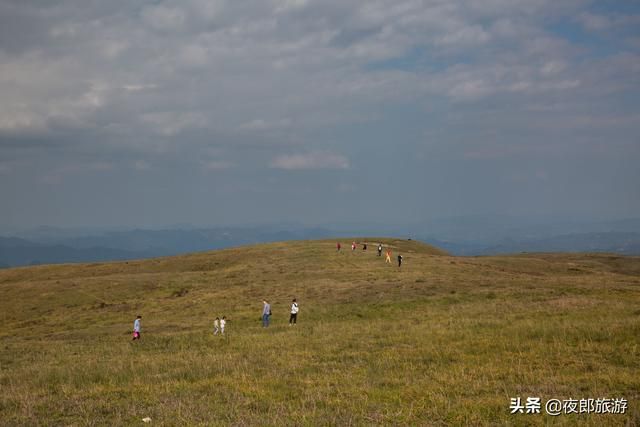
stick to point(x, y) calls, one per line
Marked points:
point(441, 340)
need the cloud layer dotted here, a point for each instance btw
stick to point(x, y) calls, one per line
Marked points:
point(451, 98)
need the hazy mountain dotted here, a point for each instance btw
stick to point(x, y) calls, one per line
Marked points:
point(614, 242)
point(171, 241)
point(60, 246)
point(481, 235)
point(16, 252)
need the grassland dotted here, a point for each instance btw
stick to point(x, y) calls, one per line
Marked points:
point(440, 341)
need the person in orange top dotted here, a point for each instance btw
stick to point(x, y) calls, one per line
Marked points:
point(388, 259)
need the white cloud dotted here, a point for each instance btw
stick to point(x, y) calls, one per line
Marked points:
point(217, 165)
point(553, 67)
point(470, 90)
point(171, 123)
point(465, 37)
point(57, 174)
point(264, 125)
point(142, 165)
point(313, 160)
point(194, 55)
point(163, 18)
point(112, 48)
point(561, 85)
point(599, 22)
point(138, 87)
point(13, 120)
point(207, 10)
point(594, 22)
point(288, 5)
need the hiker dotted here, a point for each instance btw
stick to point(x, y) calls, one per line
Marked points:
point(294, 313)
point(379, 249)
point(388, 258)
point(399, 260)
point(364, 246)
point(216, 326)
point(136, 328)
point(353, 246)
point(223, 323)
point(338, 246)
point(266, 312)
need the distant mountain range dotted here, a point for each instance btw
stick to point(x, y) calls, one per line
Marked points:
point(611, 242)
point(53, 246)
point(19, 252)
point(477, 235)
point(488, 235)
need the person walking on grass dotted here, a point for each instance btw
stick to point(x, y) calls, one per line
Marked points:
point(223, 323)
point(338, 247)
point(388, 258)
point(364, 246)
point(353, 246)
point(266, 312)
point(136, 328)
point(379, 249)
point(216, 326)
point(294, 313)
point(399, 260)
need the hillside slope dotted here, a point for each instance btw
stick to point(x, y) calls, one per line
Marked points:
point(441, 340)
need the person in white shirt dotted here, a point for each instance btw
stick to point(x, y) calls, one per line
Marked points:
point(216, 326)
point(136, 328)
point(223, 323)
point(294, 313)
point(266, 313)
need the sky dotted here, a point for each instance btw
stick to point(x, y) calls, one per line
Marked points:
point(213, 112)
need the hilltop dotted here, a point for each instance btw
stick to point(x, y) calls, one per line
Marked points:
point(441, 340)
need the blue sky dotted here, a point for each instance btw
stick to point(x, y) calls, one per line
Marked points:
point(220, 112)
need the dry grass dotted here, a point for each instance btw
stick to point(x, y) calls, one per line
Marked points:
point(442, 341)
